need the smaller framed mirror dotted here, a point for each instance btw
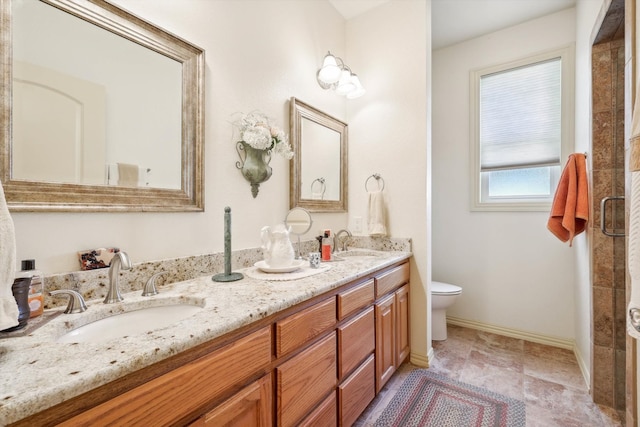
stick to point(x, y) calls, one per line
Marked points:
point(319, 167)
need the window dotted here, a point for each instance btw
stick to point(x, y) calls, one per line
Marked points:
point(521, 125)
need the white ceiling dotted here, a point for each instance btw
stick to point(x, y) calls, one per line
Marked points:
point(352, 8)
point(453, 21)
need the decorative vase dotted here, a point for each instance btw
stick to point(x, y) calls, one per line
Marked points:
point(254, 165)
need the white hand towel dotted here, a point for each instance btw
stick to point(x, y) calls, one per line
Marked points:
point(634, 251)
point(377, 218)
point(8, 305)
point(128, 175)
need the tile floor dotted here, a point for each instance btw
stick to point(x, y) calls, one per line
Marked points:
point(547, 379)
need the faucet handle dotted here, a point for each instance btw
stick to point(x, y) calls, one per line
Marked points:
point(150, 287)
point(76, 301)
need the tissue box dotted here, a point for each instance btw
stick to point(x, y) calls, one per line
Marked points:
point(92, 259)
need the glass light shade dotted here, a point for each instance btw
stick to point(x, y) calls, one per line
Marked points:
point(330, 72)
point(359, 89)
point(345, 85)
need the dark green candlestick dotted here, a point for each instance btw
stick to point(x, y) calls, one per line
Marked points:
point(227, 276)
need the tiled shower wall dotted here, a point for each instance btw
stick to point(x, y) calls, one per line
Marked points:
point(608, 253)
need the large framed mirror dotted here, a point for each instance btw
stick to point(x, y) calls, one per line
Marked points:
point(319, 167)
point(100, 110)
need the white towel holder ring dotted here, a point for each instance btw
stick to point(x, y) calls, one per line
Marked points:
point(323, 185)
point(378, 179)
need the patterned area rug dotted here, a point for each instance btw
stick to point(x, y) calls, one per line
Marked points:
point(429, 399)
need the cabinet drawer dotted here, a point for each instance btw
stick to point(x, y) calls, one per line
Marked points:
point(325, 415)
point(392, 279)
point(356, 340)
point(187, 388)
point(297, 329)
point(249, 407)
point(304, 380)
point(355, 393)
point(355, 298)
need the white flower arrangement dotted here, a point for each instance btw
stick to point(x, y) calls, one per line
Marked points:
point(257, 131)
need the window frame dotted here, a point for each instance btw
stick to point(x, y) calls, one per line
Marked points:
point(566, 55)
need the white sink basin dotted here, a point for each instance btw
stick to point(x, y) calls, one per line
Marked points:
point(355, 255)
point(130, 323)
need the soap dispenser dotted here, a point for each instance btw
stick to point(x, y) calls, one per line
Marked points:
point(326, 246)
point(36, 289)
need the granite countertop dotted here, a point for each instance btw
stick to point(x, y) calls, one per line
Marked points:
point(38, 373)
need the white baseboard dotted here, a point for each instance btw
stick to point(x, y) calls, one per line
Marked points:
point(421, 360)
point(527, 336)
point(586, 374)
point(513, 333)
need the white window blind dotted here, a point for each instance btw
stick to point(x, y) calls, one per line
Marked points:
point(520, 117)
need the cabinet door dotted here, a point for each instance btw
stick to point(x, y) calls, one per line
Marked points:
point(385, 340)
point(402, 329)
point(304, 380)
point(249, 407)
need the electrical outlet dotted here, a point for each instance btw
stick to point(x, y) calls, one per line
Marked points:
point(357, 224)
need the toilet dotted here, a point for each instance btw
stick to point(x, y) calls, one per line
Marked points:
point(443, 295)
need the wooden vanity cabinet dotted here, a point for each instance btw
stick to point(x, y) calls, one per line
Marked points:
point(316, 364)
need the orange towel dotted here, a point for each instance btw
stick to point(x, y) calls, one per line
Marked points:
point(570, 208)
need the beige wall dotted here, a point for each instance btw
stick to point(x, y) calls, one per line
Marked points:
point(390, 135)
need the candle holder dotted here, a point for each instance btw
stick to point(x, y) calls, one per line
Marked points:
point(227, 276)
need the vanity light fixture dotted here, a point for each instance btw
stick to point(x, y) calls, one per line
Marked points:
point(336, 75)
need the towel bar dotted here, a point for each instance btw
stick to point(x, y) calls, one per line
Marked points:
point(378, 178)
point(323, 187)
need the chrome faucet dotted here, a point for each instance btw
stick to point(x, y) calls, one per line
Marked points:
point(150, 287)
point(76, 303)
point(119, 260)
point(336, 239)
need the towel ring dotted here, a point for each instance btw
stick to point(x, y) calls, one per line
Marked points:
point(378, 178)
point(322, 183)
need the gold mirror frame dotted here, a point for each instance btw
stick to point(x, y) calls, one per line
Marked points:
point(298, 111)
point(45, 196)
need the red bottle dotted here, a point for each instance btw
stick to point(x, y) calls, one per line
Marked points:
point(326, 246)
